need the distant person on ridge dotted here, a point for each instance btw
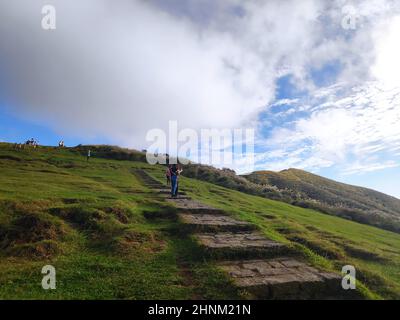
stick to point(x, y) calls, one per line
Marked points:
point(88, 155)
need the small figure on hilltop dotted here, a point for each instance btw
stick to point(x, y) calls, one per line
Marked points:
point(89, 154)
point(32, 142)
point(175, 172)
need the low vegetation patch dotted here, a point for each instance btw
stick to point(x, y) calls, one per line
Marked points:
point(44, 249)
point(31, 227)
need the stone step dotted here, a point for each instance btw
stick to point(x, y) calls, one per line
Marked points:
point(191, 206)
point(154, 187)
point(154, 184)
point(283, 278)
point(168, 191)
point(179, 197)
point(229, 245)
point(204, 222)
point(148, 180)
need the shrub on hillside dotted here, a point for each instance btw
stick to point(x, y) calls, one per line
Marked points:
point(228, 178)
point(111, 152)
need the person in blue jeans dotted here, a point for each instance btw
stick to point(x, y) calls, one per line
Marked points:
point(175, 172)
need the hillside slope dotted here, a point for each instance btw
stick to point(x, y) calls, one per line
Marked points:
point(89, 220)
point(306, 190)
point(351, 202)
point(92, 222)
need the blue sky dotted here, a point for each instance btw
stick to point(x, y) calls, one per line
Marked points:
point(378, 170)
point(17, 128)
point(323, 97)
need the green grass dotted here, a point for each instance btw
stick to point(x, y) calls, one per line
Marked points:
point(326, 241)
point(90, 224)
point(87, 220)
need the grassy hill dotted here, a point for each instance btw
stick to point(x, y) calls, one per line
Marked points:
point(350, 202)
point(109, 236)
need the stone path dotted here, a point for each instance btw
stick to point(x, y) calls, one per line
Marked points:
point(263, 267)
point(192, 206)
point(205, 222)
point(282, 277)
point(148, 180)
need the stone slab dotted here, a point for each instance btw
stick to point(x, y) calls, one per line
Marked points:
point(282, 278)
point(239, 240)
point(239, 245)
point(192, 206)
point(213, 222)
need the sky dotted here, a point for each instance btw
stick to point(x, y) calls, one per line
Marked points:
point(318, 80)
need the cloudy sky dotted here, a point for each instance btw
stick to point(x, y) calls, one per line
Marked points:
point(319, 80)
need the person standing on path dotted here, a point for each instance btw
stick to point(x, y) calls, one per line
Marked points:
point(175, 172)
point(177, 181)
point(168, 175)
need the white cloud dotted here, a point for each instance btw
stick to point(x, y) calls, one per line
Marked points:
point(358, 167)
point(352, 126)
point(119, 70)
point(284, 102)
point(359, 126)
point(387, 66)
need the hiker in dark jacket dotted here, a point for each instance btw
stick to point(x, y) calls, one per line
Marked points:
point(175, 172)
